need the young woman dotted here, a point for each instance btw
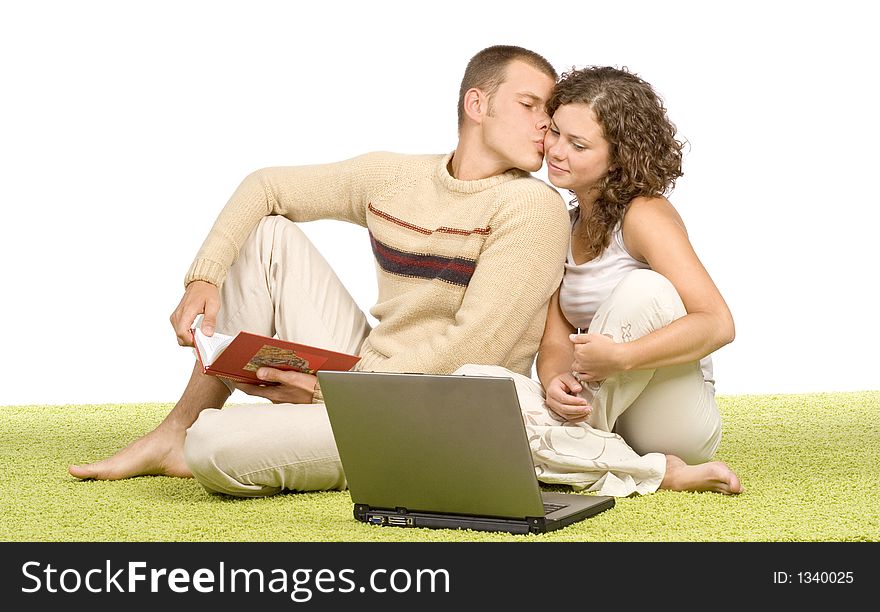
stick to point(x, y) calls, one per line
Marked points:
point(648, 311)
point(624, 360)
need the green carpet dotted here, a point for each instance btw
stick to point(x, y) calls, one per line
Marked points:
point(810, 465)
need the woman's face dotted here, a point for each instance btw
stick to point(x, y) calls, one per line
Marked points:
point(575, 149)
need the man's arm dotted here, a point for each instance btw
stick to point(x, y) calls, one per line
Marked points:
point(300, 193)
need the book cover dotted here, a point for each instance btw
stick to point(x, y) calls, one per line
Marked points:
point(238, 358)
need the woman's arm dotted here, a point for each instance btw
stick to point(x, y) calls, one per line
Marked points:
point(653, 232)
point(555, 351)
point(555, 356)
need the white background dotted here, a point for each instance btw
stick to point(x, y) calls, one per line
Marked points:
point(125, 127)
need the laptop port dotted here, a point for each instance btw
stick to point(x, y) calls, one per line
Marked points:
point(374, 519)
point(399, 521)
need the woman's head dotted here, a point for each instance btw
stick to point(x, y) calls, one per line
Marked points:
point(610, 141)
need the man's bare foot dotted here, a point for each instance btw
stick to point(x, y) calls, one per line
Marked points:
point(160, 452)
point(711, 476)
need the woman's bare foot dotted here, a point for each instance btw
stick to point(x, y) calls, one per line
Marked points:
point(159, 452)
point(711, 476)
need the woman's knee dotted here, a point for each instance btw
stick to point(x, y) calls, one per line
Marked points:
point(649, 288)
point(644, 301)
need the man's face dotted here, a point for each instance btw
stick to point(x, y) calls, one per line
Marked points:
point(514, 128)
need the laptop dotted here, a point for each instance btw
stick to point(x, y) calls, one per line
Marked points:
point(442, 451)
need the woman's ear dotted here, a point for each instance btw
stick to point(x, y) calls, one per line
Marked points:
point(612, 165)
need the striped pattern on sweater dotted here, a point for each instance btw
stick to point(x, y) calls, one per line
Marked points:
point(455, 270)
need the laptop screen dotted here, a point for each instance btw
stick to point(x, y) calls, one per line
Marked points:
point(433, 443)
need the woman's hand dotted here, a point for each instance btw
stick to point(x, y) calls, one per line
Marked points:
point(562, 398)
point(596, 357)
point(293, 387)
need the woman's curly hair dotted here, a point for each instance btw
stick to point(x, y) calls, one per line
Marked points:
point(645, 157)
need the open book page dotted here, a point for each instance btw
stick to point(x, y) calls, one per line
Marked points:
point(210, 347)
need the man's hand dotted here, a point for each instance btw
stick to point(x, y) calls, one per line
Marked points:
point(596, 357)
point(200, 297)
point(563, 399)
point(294, 387)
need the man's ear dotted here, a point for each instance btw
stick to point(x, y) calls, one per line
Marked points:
point(476, 105)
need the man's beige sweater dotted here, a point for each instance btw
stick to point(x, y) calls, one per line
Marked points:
point(465, 268)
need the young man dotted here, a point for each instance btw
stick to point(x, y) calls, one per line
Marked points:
point(469, 248)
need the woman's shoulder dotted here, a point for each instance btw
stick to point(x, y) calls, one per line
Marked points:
point(649, 211)
point(648, 219)
point(648, 205)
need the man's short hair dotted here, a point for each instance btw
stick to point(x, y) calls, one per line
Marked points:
point(488, 68)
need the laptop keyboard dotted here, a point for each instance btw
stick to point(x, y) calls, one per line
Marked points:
point(548, 508)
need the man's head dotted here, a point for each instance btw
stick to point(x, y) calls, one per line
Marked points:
point(502, 102)
point(487, 70)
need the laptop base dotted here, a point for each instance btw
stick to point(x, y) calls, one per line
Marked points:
point(401, 517)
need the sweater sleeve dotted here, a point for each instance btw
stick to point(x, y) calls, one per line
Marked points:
point(518, 270)
point(301, 193)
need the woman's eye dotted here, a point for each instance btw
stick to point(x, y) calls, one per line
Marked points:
point(577, 147)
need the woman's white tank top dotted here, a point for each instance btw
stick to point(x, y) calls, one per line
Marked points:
point(586, 286)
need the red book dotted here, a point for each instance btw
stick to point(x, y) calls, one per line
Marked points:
point(239, 357)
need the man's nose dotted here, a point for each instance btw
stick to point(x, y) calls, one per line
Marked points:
point(543, 122)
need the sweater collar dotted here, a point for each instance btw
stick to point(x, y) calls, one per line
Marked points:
point(453, 184)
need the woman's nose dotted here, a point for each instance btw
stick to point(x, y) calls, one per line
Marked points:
point(552, 148)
